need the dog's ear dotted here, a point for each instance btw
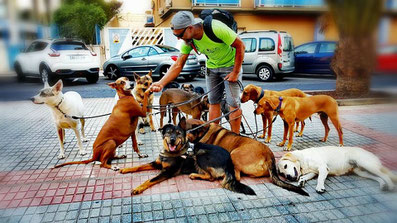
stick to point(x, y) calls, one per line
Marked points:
point(58, 86)
point(150, 73)
point(290, 157)
point(267, 100)
point(112, 85)
point(182, 123)
point(136, 77)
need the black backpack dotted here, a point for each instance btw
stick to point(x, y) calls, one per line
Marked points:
point(207, 15)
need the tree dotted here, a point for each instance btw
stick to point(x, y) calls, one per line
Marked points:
point(354, 58)
point(77, 19)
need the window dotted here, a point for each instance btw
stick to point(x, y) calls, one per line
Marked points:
point(152, 51)
point(68, 45)
point(139, 52)
point(308, 48)
point(327, 48)
point(288, 44)
point(266, 44)
point(167, 48)
point(40, 46)
point(250, 44)
point(31, 47)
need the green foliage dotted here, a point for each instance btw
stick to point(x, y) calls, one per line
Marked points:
point(77, 19)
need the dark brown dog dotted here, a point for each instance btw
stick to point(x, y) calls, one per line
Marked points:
point(118, 128)
point(187, 87)
point(294, 108)
point(249, 156)
point(174, 96)
point(255, 93)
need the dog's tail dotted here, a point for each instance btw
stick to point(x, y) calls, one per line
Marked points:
point(389, 173)
point(75, 162)
point(277, 181)
point(229, 182)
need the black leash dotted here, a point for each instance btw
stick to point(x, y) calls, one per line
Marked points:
point(213, 120)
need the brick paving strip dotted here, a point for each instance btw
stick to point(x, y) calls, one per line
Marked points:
point(22, 186)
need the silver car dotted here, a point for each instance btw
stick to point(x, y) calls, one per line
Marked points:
point(268, 54)
point(142, 59)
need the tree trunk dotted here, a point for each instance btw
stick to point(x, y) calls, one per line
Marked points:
point(353, 64)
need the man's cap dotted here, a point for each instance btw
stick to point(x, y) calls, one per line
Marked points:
point(183, 19)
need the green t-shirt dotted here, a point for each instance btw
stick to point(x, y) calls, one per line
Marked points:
point(219, 54)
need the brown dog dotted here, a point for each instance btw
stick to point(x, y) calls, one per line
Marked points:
point(118, 128)
point(249, 156)
point(142, 83)
point(173, 96)
point(255, 93)
point(292, 109)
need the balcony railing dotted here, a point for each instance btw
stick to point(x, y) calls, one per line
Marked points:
point(289, 3)
point(216, 2)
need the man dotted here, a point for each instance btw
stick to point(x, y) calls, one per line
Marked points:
point(224, 63)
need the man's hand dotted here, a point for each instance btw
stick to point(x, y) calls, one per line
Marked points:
point(232, 77)
point(156, 87)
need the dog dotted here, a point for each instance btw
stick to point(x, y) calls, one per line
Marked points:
point(63, 106)
point(304, 165)
point(119, 127)
point(172, 84)
point(199, 91)
point(171, 161)
point(293, 109)
point(255, 94)
point(249, 156)
point(141, 85)
point(174, 96)
point(187, 87)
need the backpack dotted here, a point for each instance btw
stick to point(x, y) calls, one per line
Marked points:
point(207, 15)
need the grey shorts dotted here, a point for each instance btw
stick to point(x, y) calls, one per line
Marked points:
point(232, 89)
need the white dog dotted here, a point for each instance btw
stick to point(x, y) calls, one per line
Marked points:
point(69, 104)
point(304, 165)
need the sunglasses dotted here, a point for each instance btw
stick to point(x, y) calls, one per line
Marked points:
point(180, 35)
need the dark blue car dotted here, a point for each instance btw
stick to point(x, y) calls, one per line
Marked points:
point(314, 57)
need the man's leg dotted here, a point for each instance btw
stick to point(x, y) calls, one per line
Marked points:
point(215, 112)
point(235, 119)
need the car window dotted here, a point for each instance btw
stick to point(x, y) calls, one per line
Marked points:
point(31, 47)
point(139, 52)
point(308, 48)
point(266, 44)
point(68, 45)
point(152, 51)
point(167, 48)
point(40, 46)
point(288, 44)
point(327, 47)
point(250, 44)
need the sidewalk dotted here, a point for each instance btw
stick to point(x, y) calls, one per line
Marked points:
point(30, 191)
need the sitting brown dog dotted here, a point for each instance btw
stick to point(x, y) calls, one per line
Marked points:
point(118, 128)
point(249, 156)
point(174, 96)
point(293, 109)
point(255, 93)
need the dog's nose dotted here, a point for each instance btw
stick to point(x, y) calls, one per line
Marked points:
point(32, 99)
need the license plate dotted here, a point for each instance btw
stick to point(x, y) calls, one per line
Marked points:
point(77, 57)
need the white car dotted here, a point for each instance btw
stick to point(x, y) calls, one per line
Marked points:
point(57, 59)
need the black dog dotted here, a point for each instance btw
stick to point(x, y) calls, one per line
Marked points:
point(172, 84)
point(213, 162)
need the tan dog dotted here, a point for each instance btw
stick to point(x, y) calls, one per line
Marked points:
point(118, 128)
point(249, 156)
point(141, 85)
point(293, 109)
point(173, 96)
point(255, 93)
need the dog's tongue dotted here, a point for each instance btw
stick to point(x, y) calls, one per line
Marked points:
point(172, 148)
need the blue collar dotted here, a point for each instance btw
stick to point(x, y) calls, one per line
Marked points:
point(260, 96)
point(279, 105)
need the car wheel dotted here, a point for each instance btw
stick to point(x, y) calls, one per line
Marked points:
point(189, 77)
point(18, 70)
point(264, 73)
point(93, 78)
point(113, 72)
point(47, 76)
point(203, 70)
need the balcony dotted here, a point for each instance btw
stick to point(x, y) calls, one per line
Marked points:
point(289, 3)
point(216, 3)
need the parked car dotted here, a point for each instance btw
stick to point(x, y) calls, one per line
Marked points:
point(387, 59)
point(314, 57)
point(142, 59)
point(57, 59)
point(268, 54)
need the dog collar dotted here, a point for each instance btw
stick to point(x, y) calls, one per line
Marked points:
point(279, 105)
point(57, 107)
point(260, 96)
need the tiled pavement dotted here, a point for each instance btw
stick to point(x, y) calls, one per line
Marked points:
point(31, 191)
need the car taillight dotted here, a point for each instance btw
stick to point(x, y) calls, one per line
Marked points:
point(54, 54)
point(93, 53)
point(280, 65)
point(174, 58)
point(279, 46)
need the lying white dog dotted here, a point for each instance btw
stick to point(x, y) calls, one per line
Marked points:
point(331, 160)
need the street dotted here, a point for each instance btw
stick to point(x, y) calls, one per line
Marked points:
point(11, 90)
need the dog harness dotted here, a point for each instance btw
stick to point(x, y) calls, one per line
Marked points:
point(279, 105)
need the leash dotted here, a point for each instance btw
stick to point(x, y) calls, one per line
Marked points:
point(213, 120)
point(76, 117)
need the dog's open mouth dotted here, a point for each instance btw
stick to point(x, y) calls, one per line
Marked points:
point(173, 148)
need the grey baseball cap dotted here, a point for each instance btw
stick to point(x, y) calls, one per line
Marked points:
point(183, 19)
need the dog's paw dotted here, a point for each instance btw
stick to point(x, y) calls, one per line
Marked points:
point(261, 136)
point(320, 190)
point(137, 190)
point(142, 131)
point(192, 176)
point(115, 168)
point(140, 143)
point(154, 130)
point(299, 135)
point(268, 140)
point(142, 155)
point(82, 153)
point(84, 140)
point(122, 171)
point(301, 183)
point(281, 144)
point(61, 156)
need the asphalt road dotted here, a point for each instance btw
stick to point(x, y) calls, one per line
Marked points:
point(11, 90)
